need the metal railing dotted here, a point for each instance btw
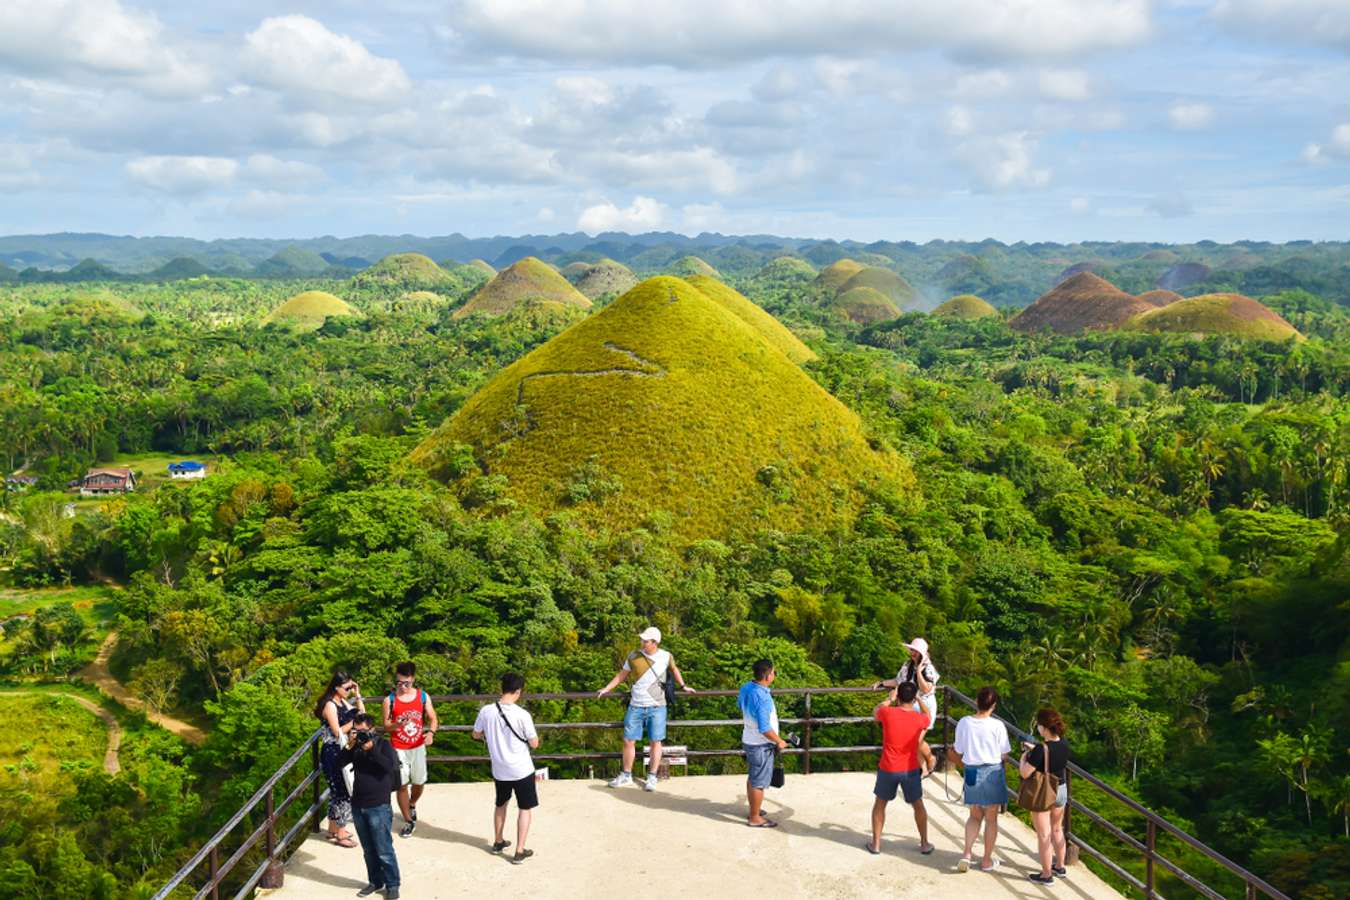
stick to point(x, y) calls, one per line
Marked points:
point(271, 849)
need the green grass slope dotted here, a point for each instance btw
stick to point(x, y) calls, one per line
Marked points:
point(787, 267)
point(686, 266)
point(833, 276)
point(1231, 314)
point(410, 271)
point(681, 406)
point(309, 310)
point(893, 285)
point(743, 308)
point(526, 279)
point(864, 305)
point(483, 266)
point(966, 306)
point(604, 277)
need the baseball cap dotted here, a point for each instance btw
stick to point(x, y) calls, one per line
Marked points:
point(918, 644)
point(651, 634)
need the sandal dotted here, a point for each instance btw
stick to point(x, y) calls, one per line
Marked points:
point(345, 842)
point(926, 849)
point(870, 849)
point(767, 823)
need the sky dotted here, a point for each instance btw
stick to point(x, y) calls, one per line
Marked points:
point(1056, 120)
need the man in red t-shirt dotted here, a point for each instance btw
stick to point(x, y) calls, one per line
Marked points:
point(411, 721)
point(902, 727)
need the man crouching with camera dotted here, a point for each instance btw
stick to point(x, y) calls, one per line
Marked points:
point(376, 767)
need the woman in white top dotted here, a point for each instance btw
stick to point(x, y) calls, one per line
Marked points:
point(981, 746)
point(920, 670)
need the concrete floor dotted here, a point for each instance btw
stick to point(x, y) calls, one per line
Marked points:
point(688, 840)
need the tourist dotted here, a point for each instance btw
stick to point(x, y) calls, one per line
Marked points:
point(376, 778)
point(336, 711)
point(902, 728)
point(759, 739)
point(981, 746)
point(1050, 842)
point(508, 731)
point(646, 713)
point(920, 670)
point(411, 722)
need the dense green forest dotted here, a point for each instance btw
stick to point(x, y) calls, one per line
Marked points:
point(1150, 532)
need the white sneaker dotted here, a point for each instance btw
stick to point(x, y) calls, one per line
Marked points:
point(650, 784)
point(621, 779)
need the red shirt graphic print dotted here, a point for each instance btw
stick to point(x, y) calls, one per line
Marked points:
point(406, 715)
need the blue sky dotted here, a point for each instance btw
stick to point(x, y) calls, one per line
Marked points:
point(1029, 120)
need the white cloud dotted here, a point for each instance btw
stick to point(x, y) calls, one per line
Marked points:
point(699, 169)
point(700, 217)
point(1190, 116)
point(1080, 206)
point(714, 33)
point(958, 121)
point(1065, 84)
point(1003, 162)
point(284, 173)
point(182, 174)
point(982, 85)
point(1338, 147)
point(299, 56)
point(643, 214)
point(1316, 22)
point(778, 84)
point(97, 38)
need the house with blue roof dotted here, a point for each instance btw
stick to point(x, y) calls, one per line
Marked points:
point(186, 470)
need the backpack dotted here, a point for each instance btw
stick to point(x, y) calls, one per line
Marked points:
point(393, 698)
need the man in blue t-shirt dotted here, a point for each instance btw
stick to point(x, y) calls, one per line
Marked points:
point(759, 738)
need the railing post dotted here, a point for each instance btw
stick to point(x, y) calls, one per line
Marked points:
point(946, 726)
point(1070, 851)
point(317, 819)
point(1150, 841)
point(275, 872)
point(215, 872)
point(807, 755)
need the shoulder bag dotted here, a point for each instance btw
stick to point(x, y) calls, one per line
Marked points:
point(1037, 793)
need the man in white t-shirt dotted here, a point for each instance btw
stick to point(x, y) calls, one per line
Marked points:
point(508, 731)
point(981, 746)
point(646, 712)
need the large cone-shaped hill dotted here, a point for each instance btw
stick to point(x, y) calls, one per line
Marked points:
point(833, 276)
point(527, 279)
point(604, 277)
point(864, 305)
point(686, 266)
point(887, 282)
point(692, 411)
point(743, 308)
point(410, 271)
point(966, 306)
point(1084, 302)
point(1218, 314)
point(788, 268)
point(309, 310)
point(483, 266)
point(1160, 297)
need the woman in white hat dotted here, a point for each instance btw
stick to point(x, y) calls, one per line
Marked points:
point(920, 670)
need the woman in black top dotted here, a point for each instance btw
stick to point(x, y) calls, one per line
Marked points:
point(1049, 824)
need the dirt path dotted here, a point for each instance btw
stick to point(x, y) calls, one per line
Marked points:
point(111, 764)
point(97, 674)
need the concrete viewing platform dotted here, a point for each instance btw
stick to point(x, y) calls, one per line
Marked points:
point(690, 839)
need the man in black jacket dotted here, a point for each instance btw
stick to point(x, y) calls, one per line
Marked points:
point(376, 769)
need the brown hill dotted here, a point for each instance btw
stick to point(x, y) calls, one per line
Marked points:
point(527, 279)
point(1160, 297)
point(1084, 302)
point(966, 306)
point(604, 277)
point(833, 276)
point(864, 305)
point(892, 284)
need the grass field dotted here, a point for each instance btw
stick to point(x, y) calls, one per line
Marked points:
point(95, 604)
point(33, 757)
point(152, 469)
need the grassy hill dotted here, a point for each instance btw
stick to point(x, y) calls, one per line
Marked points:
point(864, 305)
point(526, 279)
point(666, 401)
point(410, 271)
point(1083, 302)
point(786, 268)
point(309, 310)
point(747, 311)
point(686, 266)
point(604, 277)
point(833, 276)
point(1160, 297)
point(893, 285)
point(966, 306)
point(1231, 314)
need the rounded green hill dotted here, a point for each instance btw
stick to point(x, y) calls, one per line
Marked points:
point(788, 267)
point(686, 266)
point(604, 277)
point(743, 308)
point(864, 305)
point(1231, 314)
point(527, 279)
point(309, 310)
point(684, 408)
point(892, 284)
point(98, 306)
point(410, 271)
point(966, 306)
point(833, 276)
point(483, 266)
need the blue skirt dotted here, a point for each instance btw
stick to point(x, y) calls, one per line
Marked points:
point(985, 786)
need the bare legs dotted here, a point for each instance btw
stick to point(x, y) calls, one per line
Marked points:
point(523, 819)
point(630, 754)
point(406, 802)
point(988, 815)
point(878, 821)
point(755, 796)
point(920, 822)
point(1044, 842)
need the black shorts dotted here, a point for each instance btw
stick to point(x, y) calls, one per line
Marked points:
point(527, 796)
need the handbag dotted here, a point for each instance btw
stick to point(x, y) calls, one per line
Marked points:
point(1037, 793)
point(779, 777)
point(349, 777)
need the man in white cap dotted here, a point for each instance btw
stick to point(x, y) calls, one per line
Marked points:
point(646, 712)
point(920, 670)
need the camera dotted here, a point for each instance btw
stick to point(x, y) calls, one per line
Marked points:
point(793, 739)
point(363, 738)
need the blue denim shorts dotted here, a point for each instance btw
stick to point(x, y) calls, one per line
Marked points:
point(651, 719)
point(759, 757)
point(985, 786)
point(910, 783)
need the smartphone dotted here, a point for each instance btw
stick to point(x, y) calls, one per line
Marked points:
point(1029, 745)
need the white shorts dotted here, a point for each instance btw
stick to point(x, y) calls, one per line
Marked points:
point(929, 703)
point(412, 765)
